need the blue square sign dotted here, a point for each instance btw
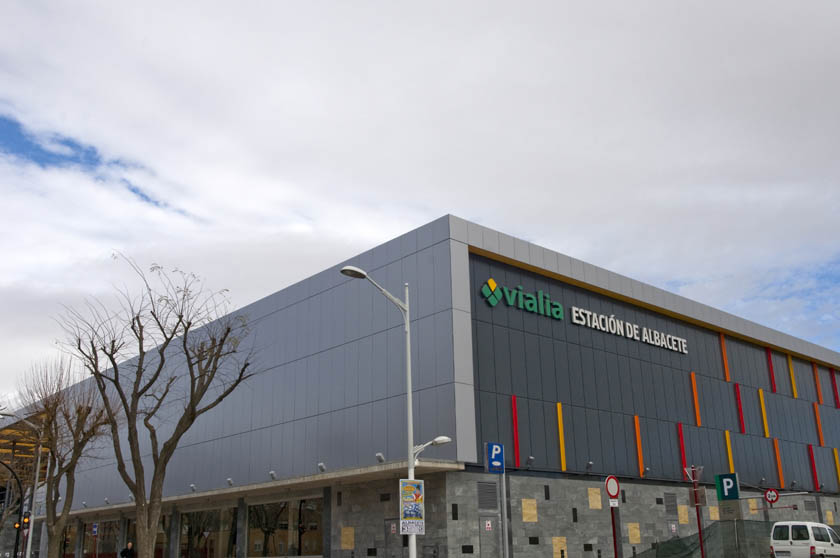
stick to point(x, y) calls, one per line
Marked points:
point(494, 459)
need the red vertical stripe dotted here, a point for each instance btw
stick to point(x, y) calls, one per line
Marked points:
point(770, 368)
point(814, 467)
point(834, 387)
point(682, 449)
point(515, 431)
point(740, 409)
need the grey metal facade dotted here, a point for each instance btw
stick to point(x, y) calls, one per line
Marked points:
point(331, 387)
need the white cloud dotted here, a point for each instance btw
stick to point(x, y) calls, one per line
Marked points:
point(693, 144)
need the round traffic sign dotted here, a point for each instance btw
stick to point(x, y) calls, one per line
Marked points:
point(612, 487)
point(771, 495)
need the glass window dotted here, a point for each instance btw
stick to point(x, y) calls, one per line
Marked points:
point(311, 538)
point(208, 534)
point(799, 533)
point(820, 534)
point(781, 533)
point(69, 547)
point(834, 538)
point(268, 530)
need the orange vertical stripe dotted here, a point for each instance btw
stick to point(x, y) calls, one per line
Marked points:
point(819, 423)
point(779, 463)
point(639, 446)
point(561, 436)
point(817, 383)
point(696, 400)
point(723, 353)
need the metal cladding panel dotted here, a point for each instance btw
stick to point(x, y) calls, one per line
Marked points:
point(604, 379)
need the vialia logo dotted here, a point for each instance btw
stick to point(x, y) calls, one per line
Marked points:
point(537, 303)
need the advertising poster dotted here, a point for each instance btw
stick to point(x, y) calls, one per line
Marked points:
point(412, 507)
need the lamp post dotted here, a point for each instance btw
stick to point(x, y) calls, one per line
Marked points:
point(20, 506)
point(413, 451)
point(31, 527)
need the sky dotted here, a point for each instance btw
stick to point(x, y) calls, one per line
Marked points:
point(693, 145)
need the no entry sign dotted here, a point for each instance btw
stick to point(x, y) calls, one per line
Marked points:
point(612, 487)
point(771, 495)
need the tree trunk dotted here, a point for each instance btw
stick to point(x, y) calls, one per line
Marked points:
point(147, 527)
point(55, 540)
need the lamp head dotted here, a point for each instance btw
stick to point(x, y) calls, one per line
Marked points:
point(440, 440)
point(192, 487)
point(321, 466)
point(230, 481)
point(380, 457)
point(354, 272)
point(273, 475)
point(529, 461)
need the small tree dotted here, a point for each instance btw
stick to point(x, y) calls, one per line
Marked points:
point(165, 356)
point(71, 416)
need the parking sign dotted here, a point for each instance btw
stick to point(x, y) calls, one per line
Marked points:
point(728, 487)
point(494, 459)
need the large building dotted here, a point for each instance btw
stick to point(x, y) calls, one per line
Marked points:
point(578, 371)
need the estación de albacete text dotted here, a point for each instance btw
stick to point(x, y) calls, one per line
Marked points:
point(579, 372)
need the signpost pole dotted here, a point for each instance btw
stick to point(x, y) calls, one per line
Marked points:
point(699, 512)
point(615, 539)
point(504, 518)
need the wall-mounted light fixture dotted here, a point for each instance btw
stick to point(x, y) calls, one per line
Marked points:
point(380, 457)
point(230, 481)
point(192, 487)
point(529, 461)
point(321, 467)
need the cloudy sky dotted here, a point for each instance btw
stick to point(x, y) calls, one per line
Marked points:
point(694, 145)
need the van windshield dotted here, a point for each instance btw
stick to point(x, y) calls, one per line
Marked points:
point(781, 533)
point(799, 533)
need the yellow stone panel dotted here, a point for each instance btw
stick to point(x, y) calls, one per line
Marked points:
point(559, 544)
point(595, 499)
point(714, 513)
point(634, 534)
point(683, 514)
point(529, 510)
point(348, 538)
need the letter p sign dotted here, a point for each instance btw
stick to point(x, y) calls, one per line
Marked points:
point(728, 487)
point(494, 458)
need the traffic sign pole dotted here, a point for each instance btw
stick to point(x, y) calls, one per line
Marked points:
point(613, 489)
point(694, 482)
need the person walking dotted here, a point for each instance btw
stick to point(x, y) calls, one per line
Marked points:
point(128, 551)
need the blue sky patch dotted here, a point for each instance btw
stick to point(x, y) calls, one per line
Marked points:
point(53, 151)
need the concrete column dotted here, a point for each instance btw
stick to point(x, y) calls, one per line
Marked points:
point(122, 535)
point(173, 539)
point(241, 528)
point(819, 509)
point(326, 522)
point(80, 538)
point(42, 547)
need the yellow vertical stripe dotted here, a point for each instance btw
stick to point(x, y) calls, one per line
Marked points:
point(696, 400)
point(763, 413)
point(837, 465)
point(729, 451)
point(792, 377)
point(723, 355)
point(561, 436)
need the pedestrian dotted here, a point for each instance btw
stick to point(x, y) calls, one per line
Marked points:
point(128, 551)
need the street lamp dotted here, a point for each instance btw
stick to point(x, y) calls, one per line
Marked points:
point(413, 451)
point(38, 430)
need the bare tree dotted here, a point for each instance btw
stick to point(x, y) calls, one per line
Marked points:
point(167, 355)
point(71, 416)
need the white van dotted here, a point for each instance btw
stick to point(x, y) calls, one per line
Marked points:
point(803, 539)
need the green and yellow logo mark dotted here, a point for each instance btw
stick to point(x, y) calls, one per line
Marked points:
point(492, 293)
point(538, 303)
